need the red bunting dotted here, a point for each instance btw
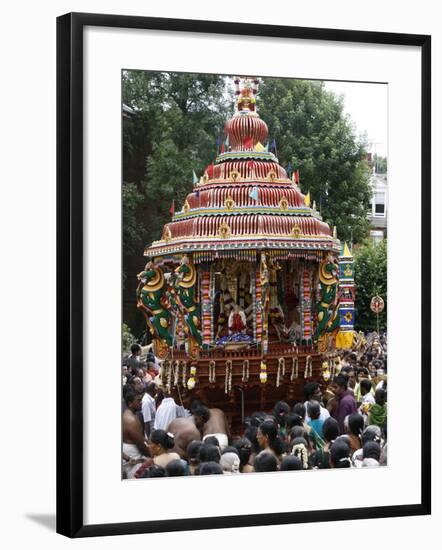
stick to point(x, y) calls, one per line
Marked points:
point(296, 176)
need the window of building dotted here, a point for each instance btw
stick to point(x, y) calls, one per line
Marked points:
point(379, 204)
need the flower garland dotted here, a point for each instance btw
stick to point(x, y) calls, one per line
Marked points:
point(281, 371)
point(212, 372)
point(228, 377)
point(176, 373)
point(184, 373)
point(295, 368)
point(245, 370)
point(263, 372)
point(326, 373)
point(308, 371)
point(300, 451)
point(191, 383)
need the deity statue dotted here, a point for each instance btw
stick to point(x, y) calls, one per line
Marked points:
point(185, 291)
point(152, 302)
point(237, 321)
point(327, 307)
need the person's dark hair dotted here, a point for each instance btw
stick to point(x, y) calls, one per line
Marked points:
point(244, 448)
point(280, 410)
point(163, 438)
point(229, 449)
point(193, 450)
point(250, 434)
point(291, 463)
point(209, 468)
point(151, 387)
point(135, 348)
point(270, 429)
point(299, 408)
point(212, 440)
point(154, 471)
point(330, 429)
point(371, 433)
point(371, 449)
point(175, 468)
point(309, 390)
point(366, 384)
point(298, 431)
point(265, 462)
point(130, 395)
point(356, 424)
point(340, 454)
point(209, 453)
point(314, 410)
point(202, 411)
point(341, 380)
point(380, 394)
point(292, 420)
point(257, 418)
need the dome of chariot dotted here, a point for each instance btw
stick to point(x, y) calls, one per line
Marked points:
point(245, 201)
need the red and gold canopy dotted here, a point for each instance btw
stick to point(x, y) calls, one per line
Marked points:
point(245, 202)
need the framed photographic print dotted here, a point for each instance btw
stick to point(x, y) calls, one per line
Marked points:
point(243, 272)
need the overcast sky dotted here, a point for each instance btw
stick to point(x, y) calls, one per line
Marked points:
point(367, 106)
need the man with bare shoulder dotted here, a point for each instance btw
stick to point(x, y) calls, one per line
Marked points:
point(188, 429)
point(134, 443)
point(218, 427)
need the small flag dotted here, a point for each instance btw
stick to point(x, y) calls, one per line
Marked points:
point(195, 178)
point(227, 142)
point(266, 148)
point(259, 147)
point(272, 146)
point(296, 174)
point(218, 141)
point(197, 193)
point(289, 168)
point(210, 170)
point(254, 194)
point(223, 148)
point(248, 142)
point(307, 199)
point(172, 208)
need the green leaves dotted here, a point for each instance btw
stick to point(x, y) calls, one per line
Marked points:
point(370, 279)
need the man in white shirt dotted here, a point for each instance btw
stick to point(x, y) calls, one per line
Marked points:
point(148, 407)
point(312, 392)
point(166, 412)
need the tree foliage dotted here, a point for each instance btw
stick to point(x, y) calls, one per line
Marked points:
point(370, 279)
point(314, 135)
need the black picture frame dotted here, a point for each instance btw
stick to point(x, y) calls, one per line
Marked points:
point(70, 240)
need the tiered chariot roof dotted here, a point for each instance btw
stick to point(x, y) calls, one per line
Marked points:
point(245, 202)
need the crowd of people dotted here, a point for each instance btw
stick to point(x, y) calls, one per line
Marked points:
point(344, 426)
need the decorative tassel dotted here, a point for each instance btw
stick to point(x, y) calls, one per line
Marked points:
point(228, 377)
point(295, 367)
point(212, 372)
point(245, 371)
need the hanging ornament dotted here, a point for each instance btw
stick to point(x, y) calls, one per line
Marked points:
point(295, 367)
point(212, 372)
point(281, 371)
point(308, 367)
point(228, 377)
point(263, 372)
point(245, 371)
point(191, 383)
